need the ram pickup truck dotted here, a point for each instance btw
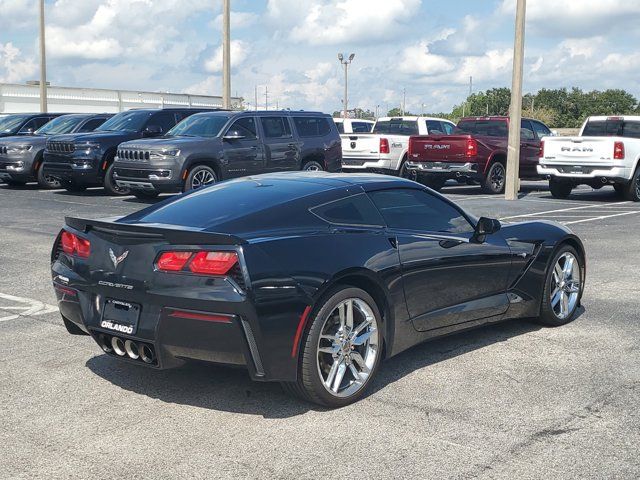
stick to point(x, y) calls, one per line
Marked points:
point(475, 153)
point(385, 149)
point(21, 156)
point(606, 152)
point(81, 160)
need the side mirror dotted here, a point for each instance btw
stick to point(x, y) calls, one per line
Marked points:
point(486, 226)
point(27, 131)
point(152, 131)
point(233, 135)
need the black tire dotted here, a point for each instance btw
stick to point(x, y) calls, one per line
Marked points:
point(632, 189)
point(15, 183)
point(110, 184)
point(559, 189)
point(145, 195)
point(495, 180)
point(312, 166)
point(404, 172)
point(548, 316)
point(309, 385)
point(199, 172)
point(434, 183)
point(46, 181)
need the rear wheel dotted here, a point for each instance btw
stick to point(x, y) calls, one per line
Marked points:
point(563, 288)
point(632, 189)
point(110, 184)
point(46, 181)
point(312, 166)
point(200, 176)
point(407, 173)
point(341, 351)
point(559, 189)
point(495, 180)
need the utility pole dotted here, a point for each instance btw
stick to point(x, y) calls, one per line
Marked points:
point(515, 115)
point(346, 62)
point(470, 85)
point(43, 63)
point(377, 108)
point(226, 54)
point(266, 97)
point(256, 98)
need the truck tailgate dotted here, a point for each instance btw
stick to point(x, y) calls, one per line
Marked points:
point(365, 146)
point(579, 150)
point(438, 148)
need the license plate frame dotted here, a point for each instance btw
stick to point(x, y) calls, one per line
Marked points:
point(120, 316)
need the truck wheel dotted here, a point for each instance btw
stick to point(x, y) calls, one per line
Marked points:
point(632, 189)
point(200, 176)
point(46, 181)
point(559, 189)
point(406, 173)
point(110, 184)
point(312, 166)
point(435, 183)
point(495, 180)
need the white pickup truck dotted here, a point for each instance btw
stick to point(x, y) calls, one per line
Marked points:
point(384, 150)
point(606, 152)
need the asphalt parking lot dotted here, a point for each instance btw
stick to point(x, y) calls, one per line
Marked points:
point(508, 401)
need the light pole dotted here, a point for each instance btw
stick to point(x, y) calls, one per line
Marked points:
point(346, 63)
point(226, 54)
point(512, 184)
point(43, 63)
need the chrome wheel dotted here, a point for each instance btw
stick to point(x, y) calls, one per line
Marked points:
point(202, 178)
point(348, 347)
point(312, 167)
point(565, 285)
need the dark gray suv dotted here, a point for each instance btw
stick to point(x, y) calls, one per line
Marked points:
point(209, 147)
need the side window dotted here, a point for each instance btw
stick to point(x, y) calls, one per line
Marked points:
point(540, 129)
point(165, 120)
point(311, 126)
point(447, 128)
point(631, 129)
point(275, 127)
point(340, 127)
point(434, 127)
point(33, 125)
point(410, 209)
point(526, 132)
point(246, 126)
point(91, 125)
point(354, 210)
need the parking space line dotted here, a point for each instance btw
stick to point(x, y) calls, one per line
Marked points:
point(26, 307)
point(604, 217)
point(581, 207)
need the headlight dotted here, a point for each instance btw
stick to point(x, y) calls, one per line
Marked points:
point(88, 146)
point(164, 153)
point(16, 166)
point(19, 149)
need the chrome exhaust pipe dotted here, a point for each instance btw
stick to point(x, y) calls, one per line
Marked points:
point(132, 349)
point(105, 343)
point(146, 353)
point(118, 346)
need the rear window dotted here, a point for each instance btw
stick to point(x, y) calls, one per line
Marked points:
point(488, 128)
point(354, 210)
point(340, 127)
point(612, 128)
point(397, 127)
point(312, 126)
point(361, 127)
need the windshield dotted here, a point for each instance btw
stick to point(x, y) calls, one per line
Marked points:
point(396, 126)
point(11, 124)
point(200, 125)
point(125, 122)
point(489, 128)
point(59, 125)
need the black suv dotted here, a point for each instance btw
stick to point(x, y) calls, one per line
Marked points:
point(86, 159)
point(214, 146)
point(21, 155)
point(24, 123)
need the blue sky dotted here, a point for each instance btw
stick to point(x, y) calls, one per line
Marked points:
point(430, 48)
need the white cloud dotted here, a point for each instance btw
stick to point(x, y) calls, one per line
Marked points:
point(16, 14)
point(417, 60)
point(239, 51)
point(13, 68)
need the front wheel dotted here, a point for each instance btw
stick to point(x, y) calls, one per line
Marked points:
point(495, 180)
point(200, 176)
point(559, 189)
point(312, 166)
point(341, 351)
point(46, 181)
point(563, 288)
point(110, 184)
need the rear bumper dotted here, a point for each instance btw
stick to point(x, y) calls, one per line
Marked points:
point(444, 168)
point(584, 172)
point(355, 163)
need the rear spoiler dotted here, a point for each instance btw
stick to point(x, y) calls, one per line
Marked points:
point(173, 234)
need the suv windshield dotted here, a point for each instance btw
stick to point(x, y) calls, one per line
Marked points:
point(489, 128)
point(131, 121)
point(200, 125)
point(396, 126)
point(59, 125)
point(12, 123)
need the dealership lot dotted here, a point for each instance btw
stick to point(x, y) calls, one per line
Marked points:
point(508, 401)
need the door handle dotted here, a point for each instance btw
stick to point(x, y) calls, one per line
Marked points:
point(253, 148)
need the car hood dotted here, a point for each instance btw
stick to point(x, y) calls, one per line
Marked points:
point(33, 140)
point(99, 137)
point(166, 143)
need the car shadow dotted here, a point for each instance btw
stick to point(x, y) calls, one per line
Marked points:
point(230, 390)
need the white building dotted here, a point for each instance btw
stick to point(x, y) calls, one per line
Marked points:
point(15, 98)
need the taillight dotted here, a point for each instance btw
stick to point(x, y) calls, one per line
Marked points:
point(410, 148)
point(75, 245)
point(384, 145)
point(204, 263)
point(472, 148)
point(618, 151)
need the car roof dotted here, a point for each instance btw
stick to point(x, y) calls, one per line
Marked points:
point(368, 181)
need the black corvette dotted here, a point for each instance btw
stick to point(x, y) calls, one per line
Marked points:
point(308, 279)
